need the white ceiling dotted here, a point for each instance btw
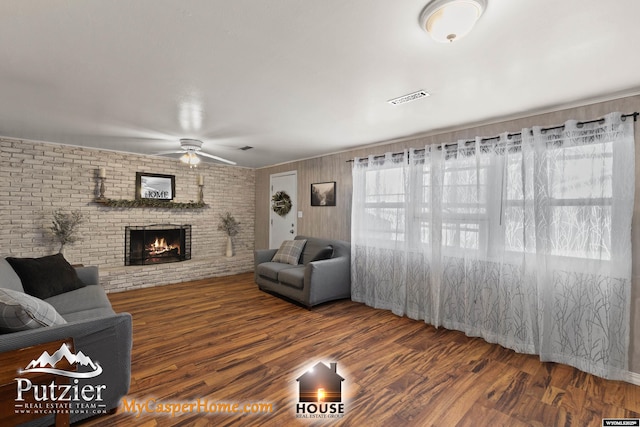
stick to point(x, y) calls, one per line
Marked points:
point(294, 78)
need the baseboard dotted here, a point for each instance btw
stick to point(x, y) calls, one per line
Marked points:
point(634, 378)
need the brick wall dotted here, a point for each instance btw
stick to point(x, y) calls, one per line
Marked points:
point(37, 178)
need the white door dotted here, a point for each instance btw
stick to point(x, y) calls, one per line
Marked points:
point(283, 227)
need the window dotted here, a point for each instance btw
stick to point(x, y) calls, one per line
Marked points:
point(480, 201)
point(385, 201)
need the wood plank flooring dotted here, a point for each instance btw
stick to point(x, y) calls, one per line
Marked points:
point(223, 340)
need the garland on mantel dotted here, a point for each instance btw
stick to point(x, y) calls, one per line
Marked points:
point(150, 203)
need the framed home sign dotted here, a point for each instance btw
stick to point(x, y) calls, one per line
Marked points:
point(155, 186)
point(323, 194)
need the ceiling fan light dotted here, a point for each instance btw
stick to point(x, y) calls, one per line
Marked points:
point(450, 20)
point(191, 159)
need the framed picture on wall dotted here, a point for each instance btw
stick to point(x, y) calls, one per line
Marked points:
point(155, 186)
point(323, 194)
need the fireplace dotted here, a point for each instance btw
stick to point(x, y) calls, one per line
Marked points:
point(156, 244)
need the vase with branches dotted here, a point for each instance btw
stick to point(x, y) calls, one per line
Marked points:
point(65, 227)
point(231, 227)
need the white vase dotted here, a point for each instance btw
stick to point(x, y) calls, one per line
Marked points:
point(229, 247)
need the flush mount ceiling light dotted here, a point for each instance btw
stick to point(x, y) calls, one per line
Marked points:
point(450, 20)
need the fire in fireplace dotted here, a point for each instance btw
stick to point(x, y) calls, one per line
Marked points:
point(155, 244)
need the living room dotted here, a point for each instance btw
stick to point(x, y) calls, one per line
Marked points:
point(41, 175)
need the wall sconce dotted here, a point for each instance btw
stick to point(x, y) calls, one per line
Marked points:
point(450, 20)
point(102, 176)
point(201, 188)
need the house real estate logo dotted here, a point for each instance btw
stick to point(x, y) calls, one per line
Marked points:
point(60, 394)
point(320, 392)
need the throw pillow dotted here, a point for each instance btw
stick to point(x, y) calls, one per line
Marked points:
point(324, 253)
point(47, 276)
point(19, 312)
point(289, 252)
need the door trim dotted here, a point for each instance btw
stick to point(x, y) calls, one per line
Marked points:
point(294, 208)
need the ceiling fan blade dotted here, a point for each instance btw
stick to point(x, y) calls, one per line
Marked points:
point(211, 156)
point(161, 153)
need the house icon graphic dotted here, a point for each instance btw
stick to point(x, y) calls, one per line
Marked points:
point(320, 384)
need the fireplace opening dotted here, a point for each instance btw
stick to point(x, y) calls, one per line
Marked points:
point(156, 244)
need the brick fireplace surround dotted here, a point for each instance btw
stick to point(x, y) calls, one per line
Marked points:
point(37, 178)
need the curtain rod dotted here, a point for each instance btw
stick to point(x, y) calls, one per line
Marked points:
point(453, 144)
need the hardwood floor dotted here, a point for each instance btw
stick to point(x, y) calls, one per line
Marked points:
point(222, 340)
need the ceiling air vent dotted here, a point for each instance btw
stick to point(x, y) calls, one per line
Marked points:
point(410, 97)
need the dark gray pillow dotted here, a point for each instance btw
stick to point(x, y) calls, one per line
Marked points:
point(47, 276)
point(324, 253)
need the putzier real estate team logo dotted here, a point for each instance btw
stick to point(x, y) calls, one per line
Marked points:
point(320, 392)
point(77, 395)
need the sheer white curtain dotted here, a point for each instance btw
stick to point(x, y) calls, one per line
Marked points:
point(522, 240)
point(379, 214)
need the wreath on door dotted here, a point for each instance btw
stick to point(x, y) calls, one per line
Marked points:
point(281, 203)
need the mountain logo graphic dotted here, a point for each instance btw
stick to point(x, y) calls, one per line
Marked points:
point(47, 363)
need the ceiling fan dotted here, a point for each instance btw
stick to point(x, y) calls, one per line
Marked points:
point(191, 148)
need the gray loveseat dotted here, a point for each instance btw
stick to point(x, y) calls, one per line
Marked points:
point(323, 272)
point(97, 331)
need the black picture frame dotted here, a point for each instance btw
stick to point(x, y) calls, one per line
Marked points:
point(323, 194)
point(155, 186)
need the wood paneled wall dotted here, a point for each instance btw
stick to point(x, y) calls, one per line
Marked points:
point(335, 222)
point(331, 222)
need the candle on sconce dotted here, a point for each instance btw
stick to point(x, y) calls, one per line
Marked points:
point(102, 176)
point(201, 188)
